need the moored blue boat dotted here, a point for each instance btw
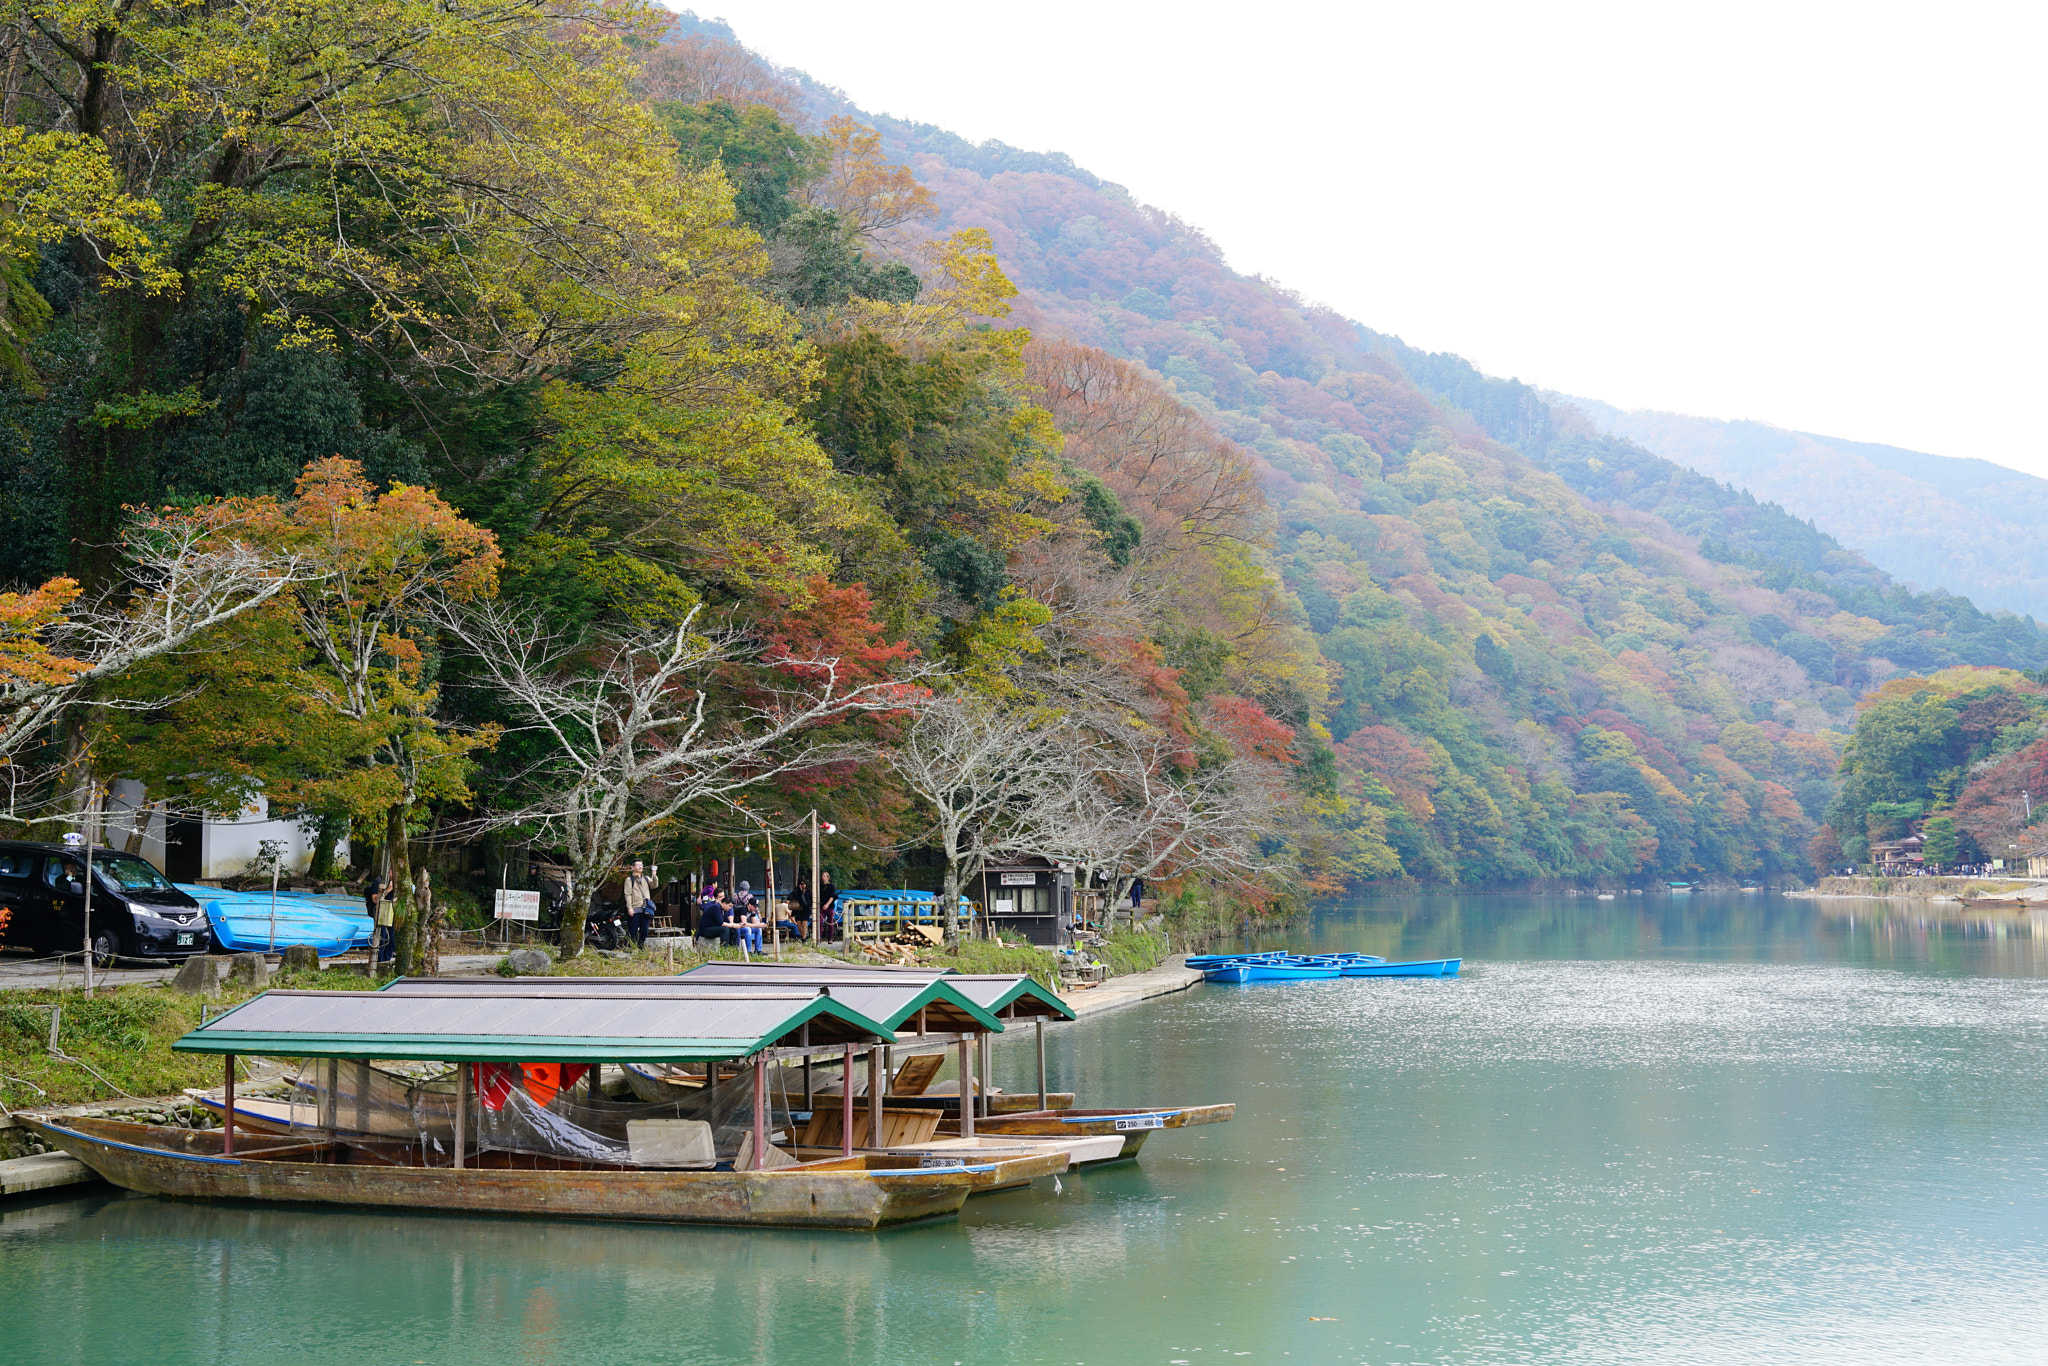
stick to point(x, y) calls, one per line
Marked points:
point(1429, 967)
point(1228, 972)
point(1290, 972)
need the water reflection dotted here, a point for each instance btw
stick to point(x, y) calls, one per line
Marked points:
point(1723, 1130)
point(1727, 927)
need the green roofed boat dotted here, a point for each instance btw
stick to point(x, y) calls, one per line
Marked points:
point(667, 1167)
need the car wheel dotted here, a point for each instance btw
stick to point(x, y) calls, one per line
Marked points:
point(105, 948)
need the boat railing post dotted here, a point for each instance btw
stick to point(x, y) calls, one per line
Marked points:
point(227, 1110)
point(875, 1088)
point(330, 1119)
point(846, 1103)
point(966, 1086)
point(760, 1113)
point(984, 1065)
point(461, 1112)
point(362, 1095)
point(1038, 1028)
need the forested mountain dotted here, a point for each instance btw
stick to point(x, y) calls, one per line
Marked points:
point(1549, 652)
point(625, 371)
point(1964, 525)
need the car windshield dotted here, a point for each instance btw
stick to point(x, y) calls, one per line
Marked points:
point(130, 874)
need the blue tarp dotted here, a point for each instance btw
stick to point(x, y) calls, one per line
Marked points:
point(242, 921)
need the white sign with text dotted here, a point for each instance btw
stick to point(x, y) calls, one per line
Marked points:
point(512, 905)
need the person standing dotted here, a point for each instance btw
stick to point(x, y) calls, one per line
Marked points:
point(828, 908)
point(639, 895)
point(800, 904)
point(377, 899)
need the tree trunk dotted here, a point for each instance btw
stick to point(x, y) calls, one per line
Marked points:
point(430, 923)
point(576, 913)
point(406, 923)
point(325, 842)
point(138, 826)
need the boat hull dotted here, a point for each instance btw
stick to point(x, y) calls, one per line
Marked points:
point(1274, 972)
point(864, 1193)
point(1236, 972)
point(1135, 1125)
point(1433, 967)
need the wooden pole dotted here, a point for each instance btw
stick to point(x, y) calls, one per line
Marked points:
point(227, 1111)
point(774, 920)
point(1038, 1028)
point(760, 1113)
point(461, 1113)
point(817, 911)
point(966, 1086)
point(362, 1095)
point(875, 1088)
point(984, 1066)
point(846, 1104)
point(329, 1103)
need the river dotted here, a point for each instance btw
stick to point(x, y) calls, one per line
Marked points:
point(1660, 1129)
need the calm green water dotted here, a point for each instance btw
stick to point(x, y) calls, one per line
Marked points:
point(1652, 1130)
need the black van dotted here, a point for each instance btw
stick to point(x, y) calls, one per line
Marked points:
point(136, 912)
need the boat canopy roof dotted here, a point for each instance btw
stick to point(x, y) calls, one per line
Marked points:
point(891, 1002)
point(996, 993)
point(524, 1019)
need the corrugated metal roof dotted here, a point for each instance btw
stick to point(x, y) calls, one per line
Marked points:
point(993, 992)
point(890, 1002)
point(531, 1020)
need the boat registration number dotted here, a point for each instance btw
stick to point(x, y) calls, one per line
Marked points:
point(1127, 1122)
point(185, 939)
point(932, 1162)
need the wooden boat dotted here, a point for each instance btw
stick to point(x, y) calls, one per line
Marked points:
point(1081, 1150)
point(1228, 972)
point(1135, 1125)
point(866, 1191)
point(2017, 901)
point(1431, 967)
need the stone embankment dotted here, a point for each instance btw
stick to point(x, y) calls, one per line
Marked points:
point(1921, 888)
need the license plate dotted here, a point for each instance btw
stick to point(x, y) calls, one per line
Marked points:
point(1125, 1123)
point(185, 939)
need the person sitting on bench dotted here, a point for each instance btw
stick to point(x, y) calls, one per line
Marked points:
point(711, 916)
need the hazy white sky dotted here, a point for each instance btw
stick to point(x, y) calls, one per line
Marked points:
point(1827, 216)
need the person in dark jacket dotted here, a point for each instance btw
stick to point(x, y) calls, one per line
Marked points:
point(711, 913)
point(800, 906)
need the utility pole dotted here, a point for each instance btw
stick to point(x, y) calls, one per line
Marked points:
point(91, 811)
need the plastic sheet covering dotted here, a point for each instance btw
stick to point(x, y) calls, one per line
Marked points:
point(402, 1102)
point(421, 1110)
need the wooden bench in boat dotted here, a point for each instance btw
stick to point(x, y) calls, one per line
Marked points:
point(899, 1127)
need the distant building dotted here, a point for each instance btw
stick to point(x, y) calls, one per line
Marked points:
point(191, 849)
point(1027, 895)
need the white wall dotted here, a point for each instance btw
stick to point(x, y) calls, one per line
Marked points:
point(226, 847)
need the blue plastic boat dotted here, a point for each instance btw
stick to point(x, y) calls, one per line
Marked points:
point(1228, 972)
point(243, 922)
point(1432, 967)
point(1290, 972)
